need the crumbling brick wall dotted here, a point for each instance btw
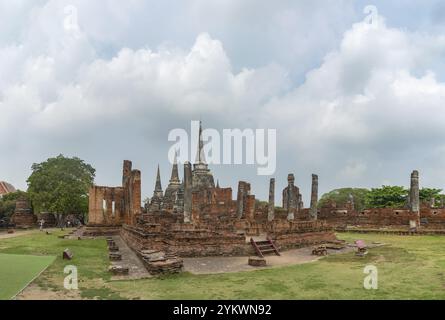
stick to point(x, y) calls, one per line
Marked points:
point(378, 217)
point(432, 218)
point(105, 206)
point(186, 241)
point(113, 206)
point(212, 204)
point(293, 234)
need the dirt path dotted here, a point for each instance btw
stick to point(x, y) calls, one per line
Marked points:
point(34, 292)
point(19, 233)
point(5, 235)
point(211, 265)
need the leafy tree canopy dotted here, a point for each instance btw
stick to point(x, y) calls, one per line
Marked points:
point(60, 185)
point(397, 197)
point(427, 194)
point(387, 197)
point(384, 197)
point(342, 196)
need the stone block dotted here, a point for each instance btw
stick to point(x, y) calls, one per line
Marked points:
point(257, 262)
point(115, 256)
point(114, 248)
point(164, 266)
point(119, 270)
point(67, 254)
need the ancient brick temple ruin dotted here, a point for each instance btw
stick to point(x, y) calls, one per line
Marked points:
point(195, 217)
point(425, 217)
point(112, 207)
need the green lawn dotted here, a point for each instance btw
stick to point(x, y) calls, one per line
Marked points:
point(17, 271)
point(409, 268)
point(90, 256)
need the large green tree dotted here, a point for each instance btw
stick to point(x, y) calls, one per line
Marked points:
point(387, 197)
point(342, 196)
point(60, 185)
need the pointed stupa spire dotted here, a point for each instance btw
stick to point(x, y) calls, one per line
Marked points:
point(217, 184)
point(175, 175)
point(158, 194)
point(158, 188)
point(200, 157)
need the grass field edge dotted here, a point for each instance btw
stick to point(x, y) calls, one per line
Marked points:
point(33, 279)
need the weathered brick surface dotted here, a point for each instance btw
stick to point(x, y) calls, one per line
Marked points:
point(430, 218)
point(23, 216)
point(106, 206)
point(298, 240)
point(100, 231)
point(214, 225)
point(113, 206)
point(186, 242)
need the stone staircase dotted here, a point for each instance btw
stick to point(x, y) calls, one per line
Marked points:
point(263, 247)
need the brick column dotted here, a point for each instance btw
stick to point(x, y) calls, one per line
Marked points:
point(187, 192)
point(136, 195)
point(271, 207)
point(314, 198)
point(414, 194)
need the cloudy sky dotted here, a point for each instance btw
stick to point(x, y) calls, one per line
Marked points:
point(358, 99)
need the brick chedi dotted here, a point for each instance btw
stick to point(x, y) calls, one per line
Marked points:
point(23, 216)
point(174, 194)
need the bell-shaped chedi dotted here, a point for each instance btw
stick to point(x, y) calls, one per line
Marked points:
point(173, 196)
